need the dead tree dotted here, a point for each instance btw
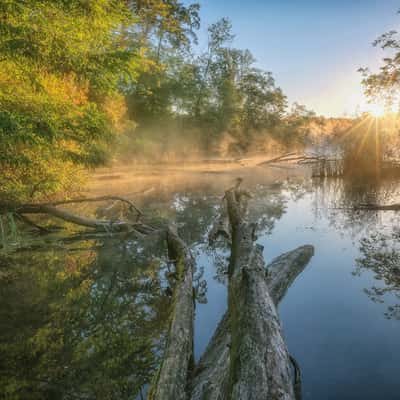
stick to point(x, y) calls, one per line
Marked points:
point(260, 366)
point(52, 209)
point(173, 376)
point(210, 380)
point(379, 207)
point(247, 357)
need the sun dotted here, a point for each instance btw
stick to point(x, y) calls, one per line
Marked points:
point(376, 110)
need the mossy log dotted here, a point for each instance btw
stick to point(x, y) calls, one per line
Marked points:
point(211, 374)
point(173, 376)
point(260, 366)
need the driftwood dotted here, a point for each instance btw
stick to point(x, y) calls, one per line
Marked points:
point(277, 159)
point(283, 270)
point(97, 199)
point(211, 374)
point(379, 207)
point(68, 216)
point(97, 224)
point(260, 366)
point(173, 376)
point(291, 157)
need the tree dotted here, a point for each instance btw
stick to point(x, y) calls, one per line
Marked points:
point(385, 84)
point(61, 63)
point(165, 31)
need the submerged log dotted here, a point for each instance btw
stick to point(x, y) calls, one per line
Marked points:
point(178, 362)
point(260, 366)
point(378, 207)
point(211, 375)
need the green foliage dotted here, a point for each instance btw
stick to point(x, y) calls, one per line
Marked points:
point(60, 62)
point(385, 84)
point(81, 324)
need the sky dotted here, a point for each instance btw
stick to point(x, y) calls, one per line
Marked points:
point(313, 48)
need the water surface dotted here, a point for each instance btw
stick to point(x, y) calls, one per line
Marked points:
point(88, 319)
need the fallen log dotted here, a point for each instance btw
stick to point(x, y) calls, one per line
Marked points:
point(290, 157)
point(101, 225)
point(68, 216)
point(277, 159)
point(378, 207)
point(178, 362)
point(260, 366)
point(211, 374)
point(283, 270)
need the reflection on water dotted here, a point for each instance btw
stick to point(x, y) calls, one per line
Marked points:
point(82, 324)
point(380, 253)
point(90, 321)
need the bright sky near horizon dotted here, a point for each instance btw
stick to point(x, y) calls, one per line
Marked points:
point(313, 47)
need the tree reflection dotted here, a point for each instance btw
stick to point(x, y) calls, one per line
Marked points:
point(380, 253)
point(83, 324)
point(338, 199)
point(88, 320)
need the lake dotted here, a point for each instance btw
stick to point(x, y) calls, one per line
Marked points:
point(88, 318)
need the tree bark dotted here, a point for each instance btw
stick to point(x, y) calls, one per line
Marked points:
point(211, 374)
point(172, 379)
point(283, 270)
point(260, 366)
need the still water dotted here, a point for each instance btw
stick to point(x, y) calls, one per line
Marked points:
point(88, 319)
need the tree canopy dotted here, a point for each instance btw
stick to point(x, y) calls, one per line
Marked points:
point(61, 63)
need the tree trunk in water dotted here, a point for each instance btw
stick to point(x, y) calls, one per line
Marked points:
point(211, 374)
point(173, 376)
point(260, 366)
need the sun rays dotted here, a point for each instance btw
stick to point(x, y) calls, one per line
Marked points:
point(371, 136)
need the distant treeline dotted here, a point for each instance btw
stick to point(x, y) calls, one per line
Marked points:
point(216, 101)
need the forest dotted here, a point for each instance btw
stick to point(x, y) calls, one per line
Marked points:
point(174, 225)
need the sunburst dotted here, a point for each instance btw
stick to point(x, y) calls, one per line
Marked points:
point(377, 110)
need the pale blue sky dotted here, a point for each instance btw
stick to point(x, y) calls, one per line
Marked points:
point(313, 48)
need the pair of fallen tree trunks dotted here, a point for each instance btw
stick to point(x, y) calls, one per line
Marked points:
point(247, 357)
